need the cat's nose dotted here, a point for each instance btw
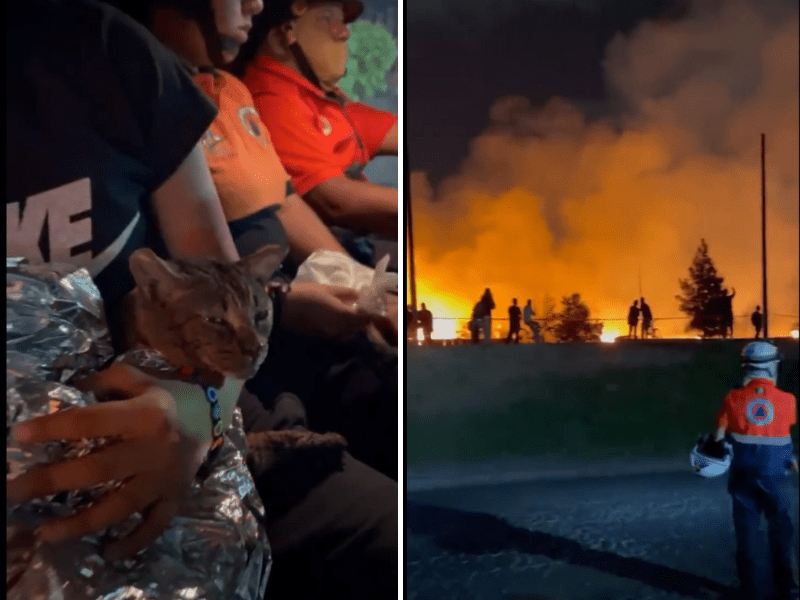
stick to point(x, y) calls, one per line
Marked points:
point(253, 346)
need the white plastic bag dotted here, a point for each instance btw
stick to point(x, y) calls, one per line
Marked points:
point(335, 268)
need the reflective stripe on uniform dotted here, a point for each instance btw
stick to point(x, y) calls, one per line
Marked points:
point(761, 439)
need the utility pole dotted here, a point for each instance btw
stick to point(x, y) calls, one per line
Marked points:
point(412, 275)
point(640, 281)
point(764, 238)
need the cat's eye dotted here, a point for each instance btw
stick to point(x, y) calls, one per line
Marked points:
point(260, 316)
point(214, 321)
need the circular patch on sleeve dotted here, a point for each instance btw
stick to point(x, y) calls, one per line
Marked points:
point(252, 124)
point(760, 411)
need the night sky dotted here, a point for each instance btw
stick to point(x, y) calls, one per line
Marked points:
point(459, 60)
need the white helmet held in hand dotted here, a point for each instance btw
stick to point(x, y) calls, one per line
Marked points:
point(710, 458)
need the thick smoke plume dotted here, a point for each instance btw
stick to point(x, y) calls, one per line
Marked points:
point(550, 203)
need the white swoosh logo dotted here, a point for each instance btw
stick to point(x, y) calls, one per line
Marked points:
point(102, 260)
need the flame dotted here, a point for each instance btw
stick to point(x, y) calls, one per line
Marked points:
point(444, 329)
point(609, 336)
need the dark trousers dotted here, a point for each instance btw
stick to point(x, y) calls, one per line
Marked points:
point(333, 534)
point(513, 333)
point(345, 387)
point(753, 495)
point(646, 328)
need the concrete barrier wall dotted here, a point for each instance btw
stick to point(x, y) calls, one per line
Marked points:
point(577, 400)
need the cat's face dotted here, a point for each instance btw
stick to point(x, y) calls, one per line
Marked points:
point(206, 314)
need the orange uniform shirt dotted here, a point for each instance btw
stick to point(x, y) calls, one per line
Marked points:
point(758, 409)
point(317, 136)
point(246, 169)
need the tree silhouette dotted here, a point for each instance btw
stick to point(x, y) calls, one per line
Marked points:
point(702, 292)
point(573, 323)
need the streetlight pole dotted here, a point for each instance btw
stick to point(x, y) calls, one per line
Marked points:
point(764, 238)
point(412, 275)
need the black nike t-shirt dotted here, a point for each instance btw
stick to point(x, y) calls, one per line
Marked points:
point(99, 115)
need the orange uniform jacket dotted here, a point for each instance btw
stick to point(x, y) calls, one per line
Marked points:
point(758, 416)
point(246, 169)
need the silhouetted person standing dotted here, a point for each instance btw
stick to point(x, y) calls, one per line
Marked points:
point(647, 318)
point(633, 319)
point(527, 316)
point(514, 322)
point(757, 320)
point(476, 321)
point(425, 320)
point(727, 314)
point(488, 307)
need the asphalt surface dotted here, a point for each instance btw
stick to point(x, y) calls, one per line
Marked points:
point(568, 535)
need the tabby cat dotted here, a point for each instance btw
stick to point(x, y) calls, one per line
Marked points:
point(215, 319)
point(204, 314)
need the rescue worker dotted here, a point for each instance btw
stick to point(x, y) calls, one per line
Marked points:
point(757, 418)
point(292, 64)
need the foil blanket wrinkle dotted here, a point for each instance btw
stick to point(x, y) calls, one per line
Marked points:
point(216, 548)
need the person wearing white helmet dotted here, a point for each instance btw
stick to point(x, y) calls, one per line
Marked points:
point(757, 418)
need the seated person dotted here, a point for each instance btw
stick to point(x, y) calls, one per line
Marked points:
point(256, 194)
point(251, 182)
point(292, 63)
point(85, 78)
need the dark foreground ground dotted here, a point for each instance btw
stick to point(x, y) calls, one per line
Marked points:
point(664, 535)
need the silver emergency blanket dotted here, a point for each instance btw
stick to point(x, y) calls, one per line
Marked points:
point(216, 547)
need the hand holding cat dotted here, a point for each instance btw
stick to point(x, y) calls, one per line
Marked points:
point(154, 458)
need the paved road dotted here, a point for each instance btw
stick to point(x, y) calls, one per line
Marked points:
point(660, 536)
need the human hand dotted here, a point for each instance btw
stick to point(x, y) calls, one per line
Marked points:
point(793, 468)
point(383, 331)
point(327, 311)
point(154, 458)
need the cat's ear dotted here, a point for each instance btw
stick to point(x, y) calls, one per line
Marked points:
point(263, 263)
point(150, 271)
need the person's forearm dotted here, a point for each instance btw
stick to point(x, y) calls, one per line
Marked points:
point(390, 143)
point(321, 310)
point(305, 230)
point(356, 205)
point(719, 434)
point(189, 213)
